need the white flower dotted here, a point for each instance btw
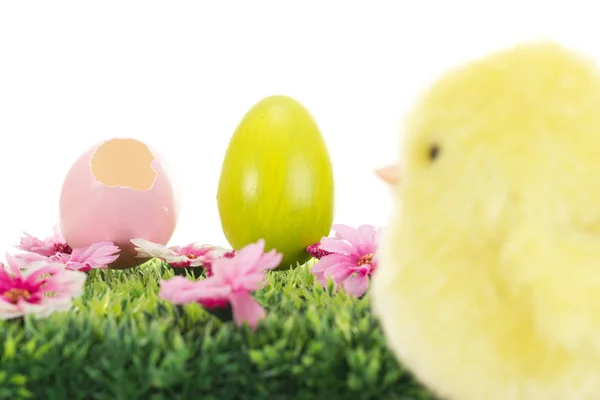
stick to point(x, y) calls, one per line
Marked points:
point(190, 255)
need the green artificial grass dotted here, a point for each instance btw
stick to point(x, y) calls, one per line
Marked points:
point(120, 341)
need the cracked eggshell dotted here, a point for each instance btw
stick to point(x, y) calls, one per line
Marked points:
point(116, 191)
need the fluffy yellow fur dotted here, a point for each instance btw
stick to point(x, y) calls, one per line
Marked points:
point(488, 286)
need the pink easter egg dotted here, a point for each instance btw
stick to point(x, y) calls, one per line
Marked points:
point(117, 191)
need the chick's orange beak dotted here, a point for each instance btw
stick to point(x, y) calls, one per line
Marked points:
point(389, 174)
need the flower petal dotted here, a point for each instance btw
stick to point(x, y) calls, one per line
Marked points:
point(268, 261)
point(195, 249)
point(245, 309)
point(14, 264)
point(250, 281)
point(58, 236)
point(27, 259)
point(66, 283)
point(54, 303)
point(33, 274)
point(148, 249)
point(32, 244)
point(321, 278)
point(336, 246)
point(6, 279)
point(245, 270)
point(9, 310)
point(249, 256)
point(366, 235)
point(224, 270)
point(179, 290)
point(206, 254)
point(347, 233)
point(339, 272)
point(374, 263)
point(328, 262)
point(218, 252)
point(197, 262)
point(356, 285)
point(97, 255)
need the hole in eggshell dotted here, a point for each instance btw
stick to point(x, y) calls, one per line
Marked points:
point(123, 163)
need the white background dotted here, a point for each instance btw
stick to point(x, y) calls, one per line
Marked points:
point(179, 75)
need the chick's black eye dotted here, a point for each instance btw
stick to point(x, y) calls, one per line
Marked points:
point(434, 152)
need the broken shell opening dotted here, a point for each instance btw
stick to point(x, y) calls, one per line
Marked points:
point(123, 163)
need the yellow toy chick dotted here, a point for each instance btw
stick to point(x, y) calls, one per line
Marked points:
point(488, 285)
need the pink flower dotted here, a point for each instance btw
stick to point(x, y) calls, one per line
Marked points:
point(231, 283)
point(191, 255)
point(179, 290)
point(315, 251)
point(56, 249)
point(97, 256)
point(46, 247)
point(44, 287)
point(352, 260)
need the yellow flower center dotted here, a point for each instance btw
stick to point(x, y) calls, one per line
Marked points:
point(191, 256)
point(14, 295)
point(366, 259)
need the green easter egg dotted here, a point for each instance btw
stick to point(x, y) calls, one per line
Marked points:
point(277, 181)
